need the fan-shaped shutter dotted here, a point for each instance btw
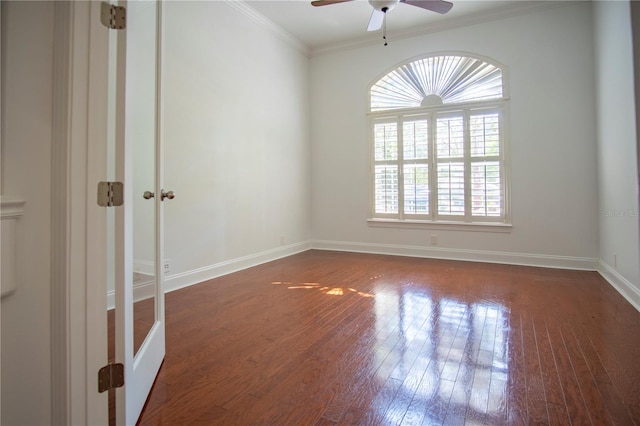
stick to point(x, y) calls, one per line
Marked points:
point(437, 80)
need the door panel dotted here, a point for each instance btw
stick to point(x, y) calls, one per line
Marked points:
point(140, 338)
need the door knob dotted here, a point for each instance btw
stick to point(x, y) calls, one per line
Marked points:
point(147, 195)
point(169, 194)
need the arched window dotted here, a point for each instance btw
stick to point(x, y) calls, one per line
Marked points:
point(438, 143)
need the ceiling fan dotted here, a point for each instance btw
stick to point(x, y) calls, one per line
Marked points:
point(381, 7)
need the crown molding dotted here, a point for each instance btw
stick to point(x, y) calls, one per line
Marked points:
point(270, 26)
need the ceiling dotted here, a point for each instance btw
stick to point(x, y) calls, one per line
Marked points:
point(338, 24)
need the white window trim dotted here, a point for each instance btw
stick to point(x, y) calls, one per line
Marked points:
point(497, 227)
point(466, 222)
point(504, 224)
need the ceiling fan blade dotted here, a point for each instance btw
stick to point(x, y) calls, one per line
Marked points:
point(327, 2)
point(375, 23)
point(438, 6)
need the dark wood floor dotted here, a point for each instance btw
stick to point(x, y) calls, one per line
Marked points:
point(325, 338)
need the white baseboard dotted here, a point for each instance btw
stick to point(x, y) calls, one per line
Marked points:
point(525, 259)
point(145, 290)
point(185, 279)
point(145, 267)
point(141, 291)
point(620, 283)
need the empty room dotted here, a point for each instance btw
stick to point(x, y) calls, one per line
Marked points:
point(345, 212)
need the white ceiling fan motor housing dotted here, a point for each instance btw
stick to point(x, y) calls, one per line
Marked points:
point(382, 4)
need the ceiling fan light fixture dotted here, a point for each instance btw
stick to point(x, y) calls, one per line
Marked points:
point(383, 5)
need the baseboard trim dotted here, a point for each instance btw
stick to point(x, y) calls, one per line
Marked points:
point(186, 279)
point(146, 267)
point(141, 291)
point(525, 259)
point(620, 283)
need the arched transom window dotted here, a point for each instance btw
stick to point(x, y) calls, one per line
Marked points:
point(437, 80)
point(438, 144)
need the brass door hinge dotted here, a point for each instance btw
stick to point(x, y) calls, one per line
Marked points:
point(110, 194)
point(113, 17)
point(110, 376)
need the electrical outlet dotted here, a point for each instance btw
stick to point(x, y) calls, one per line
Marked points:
point(434, 240)
point(166, 267)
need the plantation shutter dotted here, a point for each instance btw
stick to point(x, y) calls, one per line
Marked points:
point(433, 159)
point(386, 173)
point(415, 167)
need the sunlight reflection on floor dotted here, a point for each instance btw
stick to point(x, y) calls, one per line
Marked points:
point(451, 353)
point(462, 356)
point(329, 290)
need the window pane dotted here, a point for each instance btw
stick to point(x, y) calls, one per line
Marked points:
point(486, 196)
point(415, 139)
point(386, 189)
point(385, 137)
point(450, 137)
point(485, 134)
point(451, 188)
point(416, 189)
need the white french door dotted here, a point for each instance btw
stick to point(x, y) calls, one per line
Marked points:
point(137, 224)
point(110, 96)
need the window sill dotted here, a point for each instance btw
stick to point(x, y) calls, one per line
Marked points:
point(441, 225)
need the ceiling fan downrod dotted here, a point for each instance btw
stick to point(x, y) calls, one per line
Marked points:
point(384, 25)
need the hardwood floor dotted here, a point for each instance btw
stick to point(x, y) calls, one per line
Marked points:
point(325, 338)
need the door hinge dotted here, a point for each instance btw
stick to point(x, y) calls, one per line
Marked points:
point(113, 17)
point(110, 194)
point(110, 376)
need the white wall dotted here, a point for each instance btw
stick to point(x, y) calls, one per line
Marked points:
point(617, 149)
point(27, 67)
point(235, 129)
point(549, 60)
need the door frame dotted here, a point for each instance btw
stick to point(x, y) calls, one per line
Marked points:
point(79, 226)
point(79, 140)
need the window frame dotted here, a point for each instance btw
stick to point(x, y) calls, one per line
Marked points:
point(463, 222)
